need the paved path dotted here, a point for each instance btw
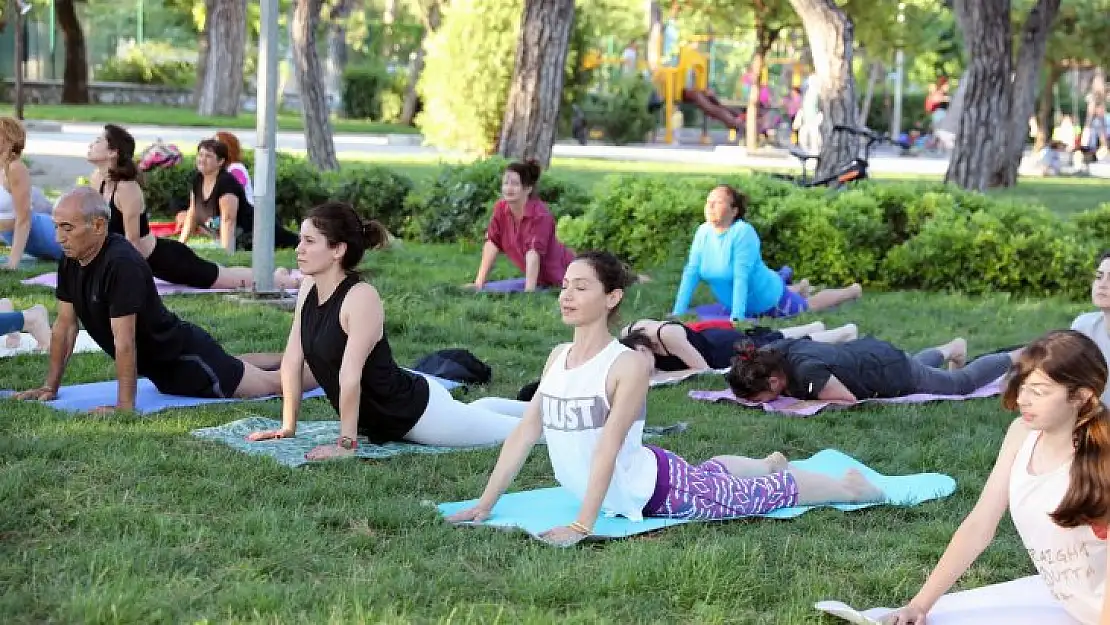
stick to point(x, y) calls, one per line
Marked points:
point(59, 153)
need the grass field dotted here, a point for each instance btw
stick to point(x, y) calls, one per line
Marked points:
point(130, 519)
point(146, 114)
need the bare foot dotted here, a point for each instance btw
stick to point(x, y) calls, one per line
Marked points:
point(777, 462)
point(283, 279)
point(805, 288)
point(859, 489)
point(36, 321)
point(957, 353)
point(857, 290)
point(851, 332)
point(11, 340)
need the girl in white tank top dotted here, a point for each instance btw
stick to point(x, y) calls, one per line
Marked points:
point(1053, 474)
point(590, 405)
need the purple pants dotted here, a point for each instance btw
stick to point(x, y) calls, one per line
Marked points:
point(708, 491)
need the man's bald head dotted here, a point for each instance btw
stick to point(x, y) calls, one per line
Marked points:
point(85, 202)
point(81, 223)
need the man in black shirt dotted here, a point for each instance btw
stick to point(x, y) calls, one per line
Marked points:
point(105, 283)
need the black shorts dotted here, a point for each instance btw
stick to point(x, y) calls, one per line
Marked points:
point(203, 370)
point(177, 263)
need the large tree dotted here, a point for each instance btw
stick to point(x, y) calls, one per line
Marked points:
point(310, 85)
point(830, 33)
point(1030, 60)
point(532, 112)
point(983, 126)
point(75, 83)
point(428, 11)
point(225, 30)
point(769, 19)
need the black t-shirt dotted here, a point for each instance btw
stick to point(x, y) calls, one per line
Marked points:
point(226, 184)
point(868, 367)
point(117, 283)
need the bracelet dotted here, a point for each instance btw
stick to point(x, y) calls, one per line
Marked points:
point(581, 529)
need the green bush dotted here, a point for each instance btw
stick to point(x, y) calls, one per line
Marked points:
point(375, 193)
point(165, 188)
point(363, 86)
point(457, 205)
point(147, 65)
point(622, 113)
point(467, 71)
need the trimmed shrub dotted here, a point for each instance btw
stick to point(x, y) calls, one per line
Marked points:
point(375, 193)
point(458, 204)
point(363, 87)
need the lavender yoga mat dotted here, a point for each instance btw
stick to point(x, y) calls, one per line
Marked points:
point(810, 407)
point(164, 288)
point(514, 285)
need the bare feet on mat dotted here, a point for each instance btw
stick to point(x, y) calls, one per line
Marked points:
point(956, 353)
point(36, 322)
point(860, 490)
point(776, 462)
point(283, 279)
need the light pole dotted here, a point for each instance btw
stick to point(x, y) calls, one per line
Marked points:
point(20, 47)
point(899, 67)
point(262, 256)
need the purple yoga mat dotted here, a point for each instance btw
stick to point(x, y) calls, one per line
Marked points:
point(514, 285)
point(164, 288)
point(810, 407)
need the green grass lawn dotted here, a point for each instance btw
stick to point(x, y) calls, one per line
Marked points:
point(130, 519)
point(141, 114)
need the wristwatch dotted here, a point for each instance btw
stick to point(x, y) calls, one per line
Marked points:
point(346, 442)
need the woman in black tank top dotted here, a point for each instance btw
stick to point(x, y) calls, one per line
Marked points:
point(681, 351)
point(339, 331)
point(117, 178)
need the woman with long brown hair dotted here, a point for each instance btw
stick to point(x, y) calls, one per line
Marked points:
point(1053, 473)
point(21, 228)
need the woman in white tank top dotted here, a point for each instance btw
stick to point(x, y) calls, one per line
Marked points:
point(1053, 473)
point(590, 407)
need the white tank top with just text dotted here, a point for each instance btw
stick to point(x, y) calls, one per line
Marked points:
point(1070, 561)
point(575, 407)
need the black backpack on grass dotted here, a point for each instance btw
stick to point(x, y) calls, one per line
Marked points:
point(458, 365)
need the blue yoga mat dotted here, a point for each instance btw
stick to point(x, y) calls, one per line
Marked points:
point(537, 511)
point(26, 262)
point(291, 451)
point(83, 397)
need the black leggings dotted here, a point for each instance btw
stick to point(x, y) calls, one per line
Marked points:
point(177, 263)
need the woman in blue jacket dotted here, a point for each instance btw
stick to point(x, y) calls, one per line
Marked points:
point(726, 254)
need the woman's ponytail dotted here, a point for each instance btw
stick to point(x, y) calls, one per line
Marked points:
point(1087, 500)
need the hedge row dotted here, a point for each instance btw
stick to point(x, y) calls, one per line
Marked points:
point(885, 235)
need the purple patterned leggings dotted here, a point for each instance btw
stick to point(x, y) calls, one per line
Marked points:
point(708, 491)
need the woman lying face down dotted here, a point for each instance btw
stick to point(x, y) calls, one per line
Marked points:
point(860, 369)
point(591, 408)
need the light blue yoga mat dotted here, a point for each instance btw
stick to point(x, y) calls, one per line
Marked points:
point(537, 511)
point(26, 262)
point(291, 451)
point(83, 397)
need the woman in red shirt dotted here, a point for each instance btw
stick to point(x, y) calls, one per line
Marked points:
point(524, 230)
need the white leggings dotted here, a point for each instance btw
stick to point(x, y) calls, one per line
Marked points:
point(447, 422)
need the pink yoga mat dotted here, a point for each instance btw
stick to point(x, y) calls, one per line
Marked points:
point(164, 288)
point(809, 407)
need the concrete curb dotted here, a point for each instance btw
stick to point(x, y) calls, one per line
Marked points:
point(36, 125)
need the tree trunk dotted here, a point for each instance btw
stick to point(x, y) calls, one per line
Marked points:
point(75, 85)
point(874, 72)
point(764, 39)
point(532, 112)
point(983, 128)
point(1034, 41)
point(1046, 102)
point(227, 50)
point(202, 51)
point(830, 33)
point(314, 102)
point(337, 45)
point(416, 66)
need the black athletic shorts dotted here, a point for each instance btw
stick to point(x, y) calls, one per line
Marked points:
point(177, 263)
point(203, 370)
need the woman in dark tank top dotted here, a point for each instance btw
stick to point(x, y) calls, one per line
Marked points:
point(339, 331)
